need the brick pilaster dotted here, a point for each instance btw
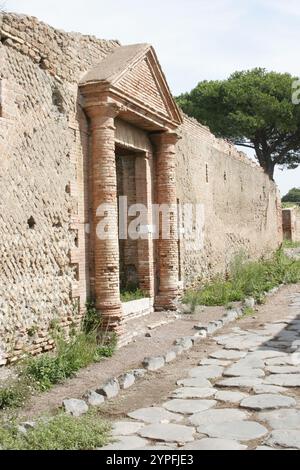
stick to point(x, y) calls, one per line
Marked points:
point(104, 191)
point(166, 194)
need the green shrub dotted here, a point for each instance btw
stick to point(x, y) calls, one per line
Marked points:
point(92, 320)
point(14, 393)
point(61, 432)
point(246, 279)
point(129, 295)
point(71, 356)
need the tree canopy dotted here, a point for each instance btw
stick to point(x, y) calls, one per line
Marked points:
point(254, 109)
point(292, 196)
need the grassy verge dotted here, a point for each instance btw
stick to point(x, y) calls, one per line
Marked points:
point(61, 432)
point(45, 371)
point(246, 279)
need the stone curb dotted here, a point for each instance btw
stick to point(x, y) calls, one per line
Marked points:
point(113, 386)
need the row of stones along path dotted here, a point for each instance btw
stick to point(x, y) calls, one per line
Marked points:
point(243, 395)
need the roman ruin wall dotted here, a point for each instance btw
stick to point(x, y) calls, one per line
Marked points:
point(45, 178)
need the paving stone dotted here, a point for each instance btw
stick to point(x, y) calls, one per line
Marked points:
point(222, 415)
point(214, 444)
point(285, 438)
point(153, 363)
point(93, 398)
point(154, 415)
point(242, 382)
point(214, 362)
point(283, 369)
point(195, 382)
point(284, 380)
point(227, 354)
point(280, 361)
point(207, 372)
point(266, 354)
point(251, 362)
point(267, 401)
point(236, 430)
point(230, 315)
point(139, 373)
point(168, 432)
point(170, 356)
point(188, 406)
point(249, 302)
point(185, 343)
point(126, 443)
point(281, 419)
point(230, 397)
point(126, 380)
point(241, 371)
point(259, 389)
point(193, 392)
point(126, 428)
point(75, 407)
point(214, 326)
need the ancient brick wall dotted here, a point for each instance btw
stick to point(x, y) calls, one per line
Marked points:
point(43, 181)
point(241, 206)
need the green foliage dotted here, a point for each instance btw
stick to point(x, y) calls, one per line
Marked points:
point(62, 432)
point(129, 295)
point(254, 109)
point(50, 369)
point(14, 393)
point(292, 196)
point(92, 320)
point(246, 279)
point(248, 312)
point(290, 244)
point(71, 356)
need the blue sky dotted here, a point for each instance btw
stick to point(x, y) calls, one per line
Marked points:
point(194, 39)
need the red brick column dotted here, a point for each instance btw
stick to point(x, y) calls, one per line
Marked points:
point(104, 191)
point(166, 194)
point(143, 177)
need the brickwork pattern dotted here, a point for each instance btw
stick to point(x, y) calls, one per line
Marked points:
point(242, 209)
point(43, 206)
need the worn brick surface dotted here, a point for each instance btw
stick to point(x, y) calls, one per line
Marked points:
point(57, 165)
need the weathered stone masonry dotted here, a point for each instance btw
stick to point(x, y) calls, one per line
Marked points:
point(70, 104)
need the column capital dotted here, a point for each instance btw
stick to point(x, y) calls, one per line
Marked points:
point(165, 138)
point(103, 109)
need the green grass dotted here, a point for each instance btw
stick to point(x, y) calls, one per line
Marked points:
point(248, 312)
point(43, 372)
point(290, 244)
point(62, 432)
point(15, 392)
point(129, 295)
point(246, 279)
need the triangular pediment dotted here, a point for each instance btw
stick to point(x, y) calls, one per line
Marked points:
point(133, 73)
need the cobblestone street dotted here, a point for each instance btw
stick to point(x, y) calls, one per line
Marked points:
point(243, 395)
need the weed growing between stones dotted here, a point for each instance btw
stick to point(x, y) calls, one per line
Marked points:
point(61, 432)
point(246, 279)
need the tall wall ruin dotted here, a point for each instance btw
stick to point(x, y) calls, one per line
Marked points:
point(45, 176)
